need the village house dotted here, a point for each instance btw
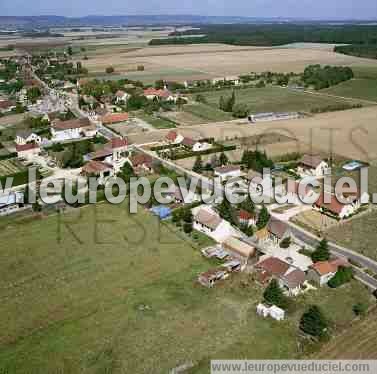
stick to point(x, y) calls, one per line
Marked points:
point(114, 153)
point(246, 218)
point(27, 151)
point(201, 146)
point(277, 230)
point(68, 130)
point(141, 163)
point(239, 249)
point(27, 136)
point(227, 172)
point(188, 143)
point(121, 97)
point(110, 119)
point(12, 203)
point(313, 165)
point(6, 106)
point(173, 137)
point(321, 272)
point(334, 207)
point(101, 170)
point(210, 277)
point(210, 223)
point(289, 278)
point(152, 93)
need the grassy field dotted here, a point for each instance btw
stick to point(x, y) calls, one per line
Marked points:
point(273, 99)
point(356, 88)
point(207, 113)
point(100, 291)
point(156, 122)
point(359, 342)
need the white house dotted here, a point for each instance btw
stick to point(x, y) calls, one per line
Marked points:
point(227, 172)
point(27, 136)
point(121, 96)
point(201, 146)
point(313, 165)
point(334, 207)
point(321, 272)
point(101, 170)
point(68, 130)
point(174, 138)
point(28, 150)
point(11, 203)
point(210, 223)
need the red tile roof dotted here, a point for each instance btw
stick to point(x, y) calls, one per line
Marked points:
point(311, 161)
point(326, 267)
point(188, 142)
point(26, 147)
point(277, 227)
point(172, 135)
point(334, 206)
point(71, 124)
point(114, 118)
point(119, 143)
point(245, 216)
point(273, 266)
point(94, 167)
point(141, 159)
point(159, 93)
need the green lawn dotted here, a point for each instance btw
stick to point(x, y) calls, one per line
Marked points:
point(273, 99)
point(207, 113)
point(156, 122)
point(102, 291)
point(356, 88)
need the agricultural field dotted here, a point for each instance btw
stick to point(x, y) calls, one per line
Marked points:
point(156, 122)
point(275, 99)
point(10, 167)
point(104, 291)
point(195, 114)
point(200, 61)
point(365, 89)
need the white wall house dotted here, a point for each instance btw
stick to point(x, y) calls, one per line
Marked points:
point(227, 172)
point(210, 223)
point(12, 203)
point(27, 151)
point(68, 130)
point(313, 166)
point(23, 137)
point(201, 146)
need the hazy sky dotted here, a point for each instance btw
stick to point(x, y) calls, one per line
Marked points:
point(253, 8)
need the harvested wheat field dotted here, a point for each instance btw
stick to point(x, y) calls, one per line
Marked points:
point(215, 60)
point(359, 342)
point(351, 133)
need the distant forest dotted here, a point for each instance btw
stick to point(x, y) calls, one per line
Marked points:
point(274, 35)
point(359, 50)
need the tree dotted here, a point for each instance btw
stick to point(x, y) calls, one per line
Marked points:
point(247, 229)
point(223, 159)
point(273, 294)
point(263, 218)
point(222, 103)
point(198, 166)
point(110, 70)
point(360, 309)
point(127, 172)
point(248, 205)
point(188, 221)
point(201, 99)
point(159, 84)
point(285, 243)
point(322, 252)
point(313, 322)
point(240, 110)
point(33, 94)
point(342, 276)
point(226, 211)
point(70, 51)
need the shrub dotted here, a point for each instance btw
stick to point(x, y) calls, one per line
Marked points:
point(360, 309)
point(342, 276)
point(110, 70)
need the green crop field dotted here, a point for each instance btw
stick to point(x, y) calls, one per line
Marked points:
point(10, 167)
point(156, 122)
point(207, 113)
point(274, 99)
point(356, 88)
point(102, 291)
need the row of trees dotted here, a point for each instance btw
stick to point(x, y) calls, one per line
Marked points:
point(256, 160)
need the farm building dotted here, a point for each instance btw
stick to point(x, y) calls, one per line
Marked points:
point(273, 116)
point(210, 277)
point(239, 249)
